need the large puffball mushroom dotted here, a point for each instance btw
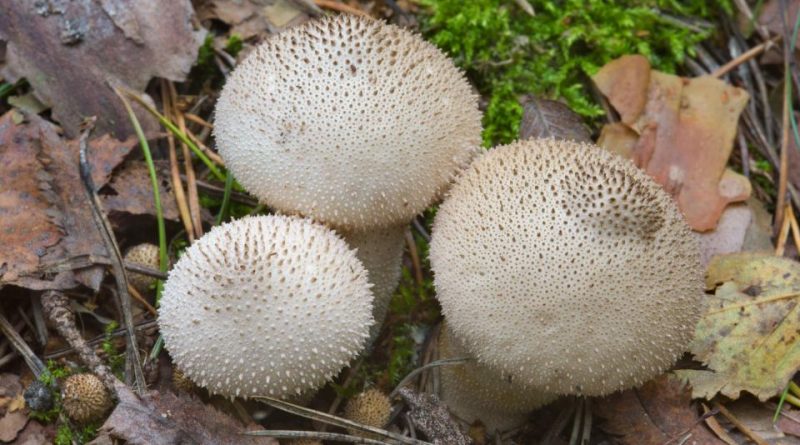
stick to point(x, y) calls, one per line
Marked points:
point(472, 391)
point(566, 267)
point(381, 253)
point(267, 305)
point(348, 120)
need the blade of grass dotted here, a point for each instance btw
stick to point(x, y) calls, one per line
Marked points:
point(222, 216)
point(178, 134)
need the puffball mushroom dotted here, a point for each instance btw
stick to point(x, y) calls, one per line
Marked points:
point(381, 253)
point(371, 408)
point(145, 254)
point(348, 120)
point(566, 268)
point(85, 398)
point(266, 305)
point(472, 391)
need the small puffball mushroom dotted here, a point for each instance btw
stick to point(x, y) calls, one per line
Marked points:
point(473, 391)
point(348, 120)
point(85, 398)
point(381, 253)
point(566, 267)
point(182, 382)
point(370, 408)
point(266, 305)
point(145, 254)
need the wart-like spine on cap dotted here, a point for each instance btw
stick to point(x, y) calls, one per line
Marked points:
point(348, 120)
point(267, 305)
point(566, 267)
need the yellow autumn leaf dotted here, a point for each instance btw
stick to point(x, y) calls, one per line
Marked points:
point(749, 335)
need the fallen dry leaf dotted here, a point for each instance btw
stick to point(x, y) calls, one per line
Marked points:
point(249, 18)
point(757, 417)
point(729, 235)
point(11, 424)
point(660, 411)
point(35, 433)
point(544, 118)
point(46, 215)
point(749, 335)
point(133, 191)
point(618, 138)
point(789, 421)
point(166, 418)
point(685, 135)
point(72, 52)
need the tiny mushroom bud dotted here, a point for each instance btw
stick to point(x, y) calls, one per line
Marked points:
point(348, 120)
point(370, 408)
point(145, 254)
point(85, 398)
point(381, 252)
point(472, 391)
point(268, 305)
point(566, 268)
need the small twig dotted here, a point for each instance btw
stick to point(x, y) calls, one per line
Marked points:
point(198, 120)
point(336, 437)
point(744, 57)
point(340, 7)
point(421, 229)
point(351, 373)
point(174, 170)
point(209, 152)
point(739, 425)
point(714, 425)
point(121, 277)
point(120, 332)
point(335, 421)
point(88, 260)
point(21, 347)
point(191, 180)
point(138, 297)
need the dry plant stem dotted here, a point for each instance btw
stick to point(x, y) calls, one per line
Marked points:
point(138, 297)
point(412, 251)
point(191, 180)
point(198, 120)
point(714, 425)
point(340, 7)
point(120, 276)
point(413, 374)
point(739, 425)
point(57, 309)
point(174, 171)
point(337, 421)
point(784, 160)
point(209, 152)
point(744, 57)
point(18, 343)
point(789, 223)
point(99, 339)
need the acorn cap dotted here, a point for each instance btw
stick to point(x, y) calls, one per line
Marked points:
point(85, 398)
point(348, 120)
point(266, 305)
point(566, 267)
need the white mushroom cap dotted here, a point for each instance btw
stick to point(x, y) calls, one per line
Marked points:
point(267, 305)
point(473, 391)
point(566, 267)
point(348, 120)
point(381, 253)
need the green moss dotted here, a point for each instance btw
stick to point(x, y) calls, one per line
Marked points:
point(507, 53)
point(116, 359)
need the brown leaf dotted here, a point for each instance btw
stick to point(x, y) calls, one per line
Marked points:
point(166, 418)
point(11, 424)
point(544, 118)
point(686, 136)
point(46, 215)
point(658, 412)
point(729, 235)
point(26, 231)
point(72, 52)
point(789, 421)
point(35, 434)
point(618, 138)
point(249, 18)
point(133, 191)
point(625, 81)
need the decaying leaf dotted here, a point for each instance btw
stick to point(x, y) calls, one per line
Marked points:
point(46, 215)
point(133, 191)
point(166, 418)
point(26, 231)
point(749, 335)
point(72, 52)
point(12, 421)
point(659, 412)
point(729, 235)
point(544, 118)
point(683, 135)
point(249, 18)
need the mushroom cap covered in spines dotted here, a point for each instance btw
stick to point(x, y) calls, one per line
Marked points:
point(267, 305)
point(370, 408)
point(348, 120)
point(85, 398)
point(566, 267)
point(145, 254)
point(472, 391)
point(381, 253)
